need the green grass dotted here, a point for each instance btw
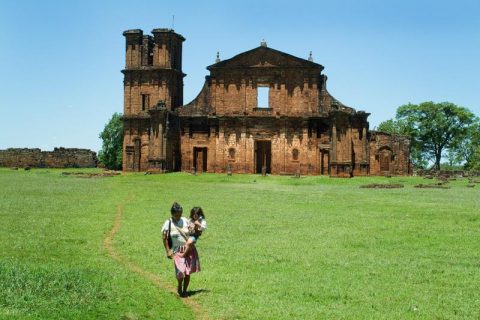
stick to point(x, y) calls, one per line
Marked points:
point(276, 247)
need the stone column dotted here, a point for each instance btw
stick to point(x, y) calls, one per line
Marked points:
point(348, 140)
point(212, 152)
point(221, 146)
point(243, 142)
point(333, 151)
point(161, 140)
point(364, 144)
point(283, 139)
point(304, 159)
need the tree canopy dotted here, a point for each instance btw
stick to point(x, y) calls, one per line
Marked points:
point(399, 127)
point(436, 130)
point(467, 150)
point(112, 136)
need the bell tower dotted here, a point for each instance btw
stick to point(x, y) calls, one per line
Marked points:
point(167, 55)
point(153, 89)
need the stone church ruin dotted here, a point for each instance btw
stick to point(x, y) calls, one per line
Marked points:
point(298, 128)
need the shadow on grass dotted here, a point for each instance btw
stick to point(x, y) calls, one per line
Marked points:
point(194, 292)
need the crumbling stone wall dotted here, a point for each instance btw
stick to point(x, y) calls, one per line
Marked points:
point(58, 158)
point(389, 154)
point(300, 129)
point(233, 144)
point(153, 85)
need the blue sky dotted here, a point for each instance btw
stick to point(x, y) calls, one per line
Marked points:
point(60, 77)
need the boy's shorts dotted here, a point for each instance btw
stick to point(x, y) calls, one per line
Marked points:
point(193, 239)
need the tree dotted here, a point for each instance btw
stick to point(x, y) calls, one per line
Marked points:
point(392, 126)
point(467, 150)
point(473, 162)
point(436, 130)
point(112, 136)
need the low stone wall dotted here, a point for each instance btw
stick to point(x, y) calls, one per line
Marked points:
point(58, 158)
point(446, 173)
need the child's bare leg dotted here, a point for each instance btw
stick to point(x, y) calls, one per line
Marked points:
point(188, 246)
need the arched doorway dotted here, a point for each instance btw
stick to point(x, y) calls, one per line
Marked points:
point(385, 157)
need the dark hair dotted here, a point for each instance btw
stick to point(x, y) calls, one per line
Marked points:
point(198, 211)
point(176, 207)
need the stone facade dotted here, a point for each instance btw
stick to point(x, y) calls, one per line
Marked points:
point(300, 129)
point(390, 154)
point(58, 158)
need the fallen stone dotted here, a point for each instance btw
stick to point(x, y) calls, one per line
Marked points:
point(382, 186)
point(432, 186)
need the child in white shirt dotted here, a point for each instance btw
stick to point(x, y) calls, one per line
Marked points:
point(196, 225)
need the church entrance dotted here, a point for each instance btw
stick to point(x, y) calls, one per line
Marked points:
point(200, 159)
point(385, 158)
point(263, 156)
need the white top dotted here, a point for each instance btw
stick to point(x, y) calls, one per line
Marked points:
point(203, 223)
point(177, 239)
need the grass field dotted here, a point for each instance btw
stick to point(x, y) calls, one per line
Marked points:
point(276, 248)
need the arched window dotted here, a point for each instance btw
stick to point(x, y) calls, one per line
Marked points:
point(145, 102)
point(231, 153)
point(295, 154)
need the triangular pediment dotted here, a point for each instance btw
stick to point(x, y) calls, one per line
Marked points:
point(262, 57)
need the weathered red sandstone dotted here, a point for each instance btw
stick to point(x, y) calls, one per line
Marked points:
point(302, 129)
point(58, 158)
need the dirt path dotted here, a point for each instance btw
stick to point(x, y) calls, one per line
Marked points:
point(153, 278)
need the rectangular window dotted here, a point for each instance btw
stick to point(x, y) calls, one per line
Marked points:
point(262, 97)
point(145, 102)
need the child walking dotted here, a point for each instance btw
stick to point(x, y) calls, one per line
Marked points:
point(196, 225)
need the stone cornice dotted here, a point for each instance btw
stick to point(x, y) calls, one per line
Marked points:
point(143, 69)
point(135, 117)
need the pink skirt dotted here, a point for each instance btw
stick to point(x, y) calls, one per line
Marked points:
point(186, 266)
